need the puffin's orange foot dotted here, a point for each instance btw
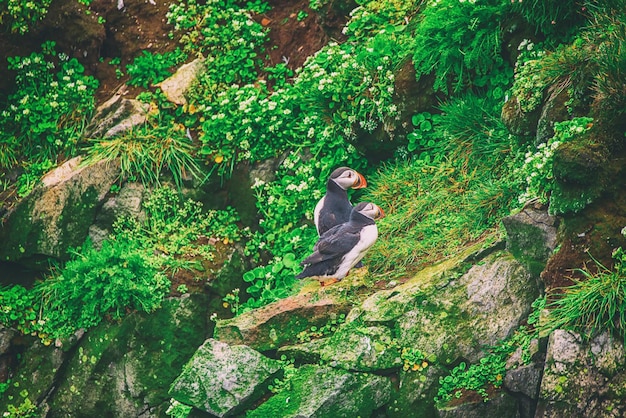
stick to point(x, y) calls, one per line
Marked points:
point(328, 282)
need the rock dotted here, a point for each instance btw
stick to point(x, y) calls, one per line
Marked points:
point(57, 214)
point(503, 405)
point(554, 110)
point(320, 392)
point(175, 87)
point(361, 349)
point(494, 297)
point(517, 121)
point(127, 202)
point(416, 391)
point(583, 379)
point(531, 236)
point(116, 116)
point(38, 372)
point(280, 322)
point(524, 379)
point(125, 369)
point(223, 380)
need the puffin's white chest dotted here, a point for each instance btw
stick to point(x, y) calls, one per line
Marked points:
point(368, 237)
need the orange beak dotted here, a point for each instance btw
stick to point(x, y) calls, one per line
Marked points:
point(381, 214)
point(360, 182)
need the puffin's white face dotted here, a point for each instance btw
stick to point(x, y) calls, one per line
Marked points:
point(350, 179)
point(372, 211)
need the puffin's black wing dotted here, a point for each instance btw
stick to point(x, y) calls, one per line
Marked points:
point(335, 243)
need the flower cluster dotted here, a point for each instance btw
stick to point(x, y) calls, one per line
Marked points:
point(225, 33)
point(536, 172)
point(48, 108)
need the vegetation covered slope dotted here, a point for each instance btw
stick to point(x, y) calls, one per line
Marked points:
point(529, 105)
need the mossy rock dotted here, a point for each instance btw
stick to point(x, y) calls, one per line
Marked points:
point(224, 380)
point(323, 392)
point(126, 368)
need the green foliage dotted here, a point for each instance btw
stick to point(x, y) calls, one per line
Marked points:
point(289, 370)
point(174, 226)
point(147, 151)
point(556, 19)
point(536, 171)
point(21, 15)
point(568, 68)
point(607, 32)
point(458, 41)
point(223, 32)
point(121, 276)
point(413, 360)
point(596, 303)
point(18, 309)
point(152, 68)
point(178, 410)
point(31, 176)
point(47, 111)
point(454, 192)
point(477, 378)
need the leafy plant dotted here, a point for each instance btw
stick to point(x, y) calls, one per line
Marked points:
point(152, 68)
point(47, 111)
point(458, 41)
point(119, 277)
point(536, 170)
point(177, 227)
point(231, 49)
point(29, 179)
point(21, 15)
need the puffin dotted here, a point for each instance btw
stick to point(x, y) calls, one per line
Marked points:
point(343, 246)
point(334, 207)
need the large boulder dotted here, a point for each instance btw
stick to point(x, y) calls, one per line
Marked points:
point(223, 380)
point(57, 214)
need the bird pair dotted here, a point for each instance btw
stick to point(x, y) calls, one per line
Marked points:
point(345, 232)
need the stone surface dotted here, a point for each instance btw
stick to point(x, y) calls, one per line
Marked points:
point(322, 392)
point(531, 236)
point(222, 379)
point(176, 86)
point(57, 214)
point(116, 116)
point(503, 405)
point(493, 298)
point(361, 349)
point(127, 202)
point(280, 322)
point(125, 369)
point(583, 378)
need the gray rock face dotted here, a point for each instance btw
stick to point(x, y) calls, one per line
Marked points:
point(57, 214)
point(178, 84)
point(531, 236)
point(583, 379)
point(127, 202)
point(117, 115)
point(222, 379)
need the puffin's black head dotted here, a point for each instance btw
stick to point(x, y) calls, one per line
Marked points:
point(369, 210)
point(346, 178)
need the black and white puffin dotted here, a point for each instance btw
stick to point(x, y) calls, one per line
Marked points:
point(343, 246)
point(334, 207)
